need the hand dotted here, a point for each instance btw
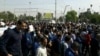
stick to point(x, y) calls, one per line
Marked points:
point(76, 52)
point(50, 43)
point(9, 55)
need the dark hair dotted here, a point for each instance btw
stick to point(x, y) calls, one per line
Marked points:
point(46, 31)
point(75, 45)
point(89, 32)
point(67, 38)
point(42, 39)
point(19, 22)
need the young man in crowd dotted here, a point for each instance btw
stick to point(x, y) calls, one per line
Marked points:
point(73, 50)
point(10, 42)
point(42, 50)
point(65, 45)
point(27, 42)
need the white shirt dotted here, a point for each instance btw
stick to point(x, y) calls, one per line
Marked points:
point(73, 36)
point(83, 33)
point(41, 51)
point(66, 46)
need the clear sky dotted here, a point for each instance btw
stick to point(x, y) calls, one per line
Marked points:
point(49, 5)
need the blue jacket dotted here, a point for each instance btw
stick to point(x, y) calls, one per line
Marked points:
point(10, 43)
point(52, 37)
point(27, 40)
point(36, 44)
point(69, 52)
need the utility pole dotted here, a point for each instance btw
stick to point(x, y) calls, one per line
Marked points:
point(14, 14)
point(55, 9)
point(65, 9)
point(29, 7)
point(91, 7)
point(64, 13)
point(4, 5)
point(30, 10)
point(5, 9)
point(79, 15)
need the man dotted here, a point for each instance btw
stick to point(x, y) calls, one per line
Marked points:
point(95, 46)
point(42, 51)
point(27, 42)
point(65, 45)
point(10, 42)
point(73, 50)
point(56, 45)
point(87, 42)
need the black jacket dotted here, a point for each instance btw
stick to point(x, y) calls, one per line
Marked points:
point(10, 43)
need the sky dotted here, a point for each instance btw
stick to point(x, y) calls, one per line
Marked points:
point(26, 6)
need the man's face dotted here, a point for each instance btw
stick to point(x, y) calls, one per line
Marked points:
point(23, 26)
point(45, 42)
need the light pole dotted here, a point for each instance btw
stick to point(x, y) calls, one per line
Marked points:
point(64, 13)
point(55, 9)
point(91, 7)
point(79, 15)
point(65, 9)
point(14, 13)
point(99, 9)
point(5, 9)
point(30, 9)
point(4, 5)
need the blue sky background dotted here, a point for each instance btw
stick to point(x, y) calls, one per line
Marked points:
point(49, 5)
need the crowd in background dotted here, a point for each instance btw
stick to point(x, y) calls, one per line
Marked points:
point(47, 39)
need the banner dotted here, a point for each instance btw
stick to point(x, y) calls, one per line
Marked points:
point(48, 15)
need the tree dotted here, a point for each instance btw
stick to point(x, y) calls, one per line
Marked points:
point(92, 17)
point(3, 15)
point(71, 16)
point(7, 15)
point(30, 18)
point(61, 18)
point(10, 16)
point(38, 16)
point(84, 16)
point(22, 16)
point(25, 17)
point(95, 18)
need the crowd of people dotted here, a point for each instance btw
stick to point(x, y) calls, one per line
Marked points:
point(47, 39)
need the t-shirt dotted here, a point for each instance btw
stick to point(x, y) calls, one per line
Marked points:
point(88, 39)
point(41, 51)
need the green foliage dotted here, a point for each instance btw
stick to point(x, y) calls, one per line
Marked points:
point(71, 16)
point(29, 18)
point(38, 16)
point(84, 16)
point(61, 18)
point(7, 15)
point(95, 18)
point(92, 17)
